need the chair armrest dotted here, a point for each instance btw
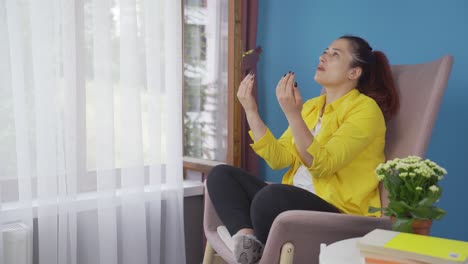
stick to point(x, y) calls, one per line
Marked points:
point(211, 222)
point(210, 218)
point(308, 229)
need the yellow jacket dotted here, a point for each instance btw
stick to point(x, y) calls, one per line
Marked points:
point(346, 151)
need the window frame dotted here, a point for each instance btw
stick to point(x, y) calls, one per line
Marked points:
point(234, 136)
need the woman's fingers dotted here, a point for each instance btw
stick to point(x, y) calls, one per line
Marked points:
point(247, 77)
point(289, 85)
point(244, 93)
point(285, 81)
point(250, 84)
point(244, 85)
point(297, 94)
point(278, 86)
point(281, 87)
point(251, 80)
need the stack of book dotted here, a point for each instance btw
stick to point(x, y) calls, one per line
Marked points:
point(390, 247)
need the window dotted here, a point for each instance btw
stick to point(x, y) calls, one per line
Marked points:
point(205, 79)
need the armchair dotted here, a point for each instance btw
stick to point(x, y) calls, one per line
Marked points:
point(295, 236)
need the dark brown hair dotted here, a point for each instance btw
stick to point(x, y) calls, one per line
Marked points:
point(376, 79)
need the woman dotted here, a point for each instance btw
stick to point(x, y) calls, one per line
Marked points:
point(332, 146)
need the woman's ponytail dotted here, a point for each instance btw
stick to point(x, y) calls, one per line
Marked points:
point(380, 85)
point(376, 79)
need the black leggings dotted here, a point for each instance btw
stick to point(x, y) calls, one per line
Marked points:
point(244, 201)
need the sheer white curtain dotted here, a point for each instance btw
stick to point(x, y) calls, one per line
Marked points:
point(91, 129)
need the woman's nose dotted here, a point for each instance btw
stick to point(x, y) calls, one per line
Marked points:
point(322, 58)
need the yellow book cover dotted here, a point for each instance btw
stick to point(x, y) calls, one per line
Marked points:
point(417, 247)
point(448, 249)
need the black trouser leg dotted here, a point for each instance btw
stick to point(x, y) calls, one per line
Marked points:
point(231, 191)
point(244, 201)
point(274, 199)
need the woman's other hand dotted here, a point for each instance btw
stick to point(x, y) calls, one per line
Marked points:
point(289, 96)
point(244, 94)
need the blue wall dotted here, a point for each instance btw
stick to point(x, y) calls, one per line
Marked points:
point(294, 33)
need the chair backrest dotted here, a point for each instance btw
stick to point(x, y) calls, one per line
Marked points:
point(421, 88)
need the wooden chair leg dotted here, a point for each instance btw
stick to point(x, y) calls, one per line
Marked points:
point(287, 253)
point(209, 254)
point(219, 260)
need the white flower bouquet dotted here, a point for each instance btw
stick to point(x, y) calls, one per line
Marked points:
point(412, 185)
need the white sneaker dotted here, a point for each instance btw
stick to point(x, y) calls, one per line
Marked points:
point(247, 249)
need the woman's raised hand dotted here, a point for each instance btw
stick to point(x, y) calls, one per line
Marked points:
point(289, 96)
point(244, 94)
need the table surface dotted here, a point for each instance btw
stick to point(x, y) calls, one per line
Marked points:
point(344, 251)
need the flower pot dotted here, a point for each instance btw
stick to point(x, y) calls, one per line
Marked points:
point(419, 226)
point(422, 227)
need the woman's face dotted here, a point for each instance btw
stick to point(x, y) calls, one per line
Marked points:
point(334, 66)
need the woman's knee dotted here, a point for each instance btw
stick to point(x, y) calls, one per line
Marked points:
point(217, 174)
point(265, 200)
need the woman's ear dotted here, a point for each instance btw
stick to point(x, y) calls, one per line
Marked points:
point(354, 73)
